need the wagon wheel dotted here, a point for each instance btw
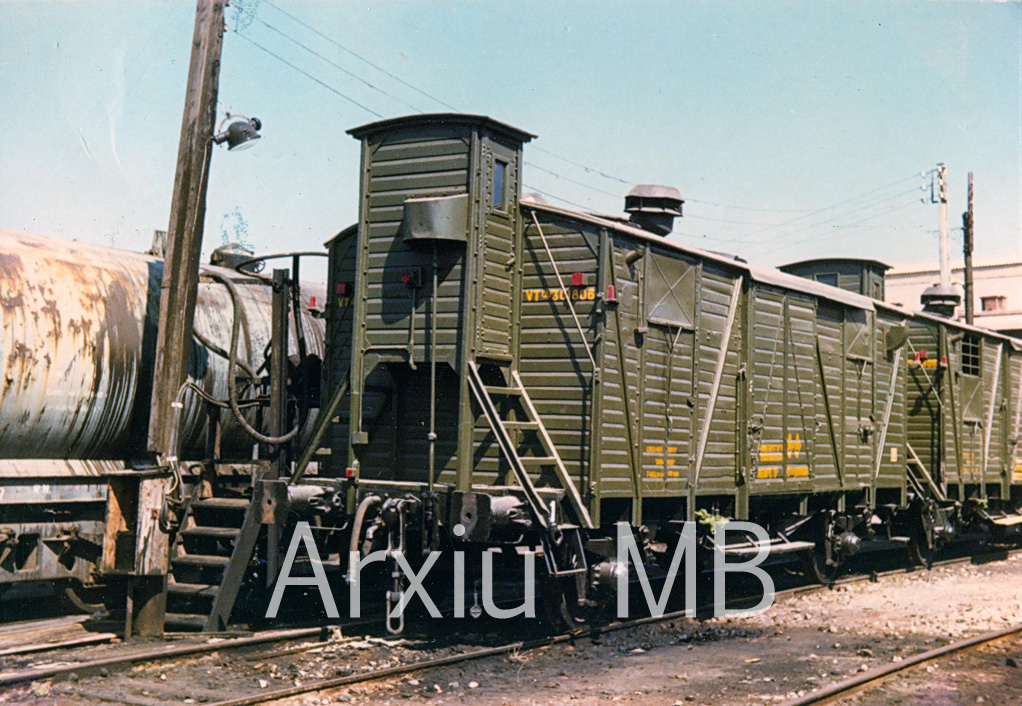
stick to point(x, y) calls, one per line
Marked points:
point(563, 607)
point(920, 551)
point(921, 548)
point(78, 597)
point(569, 602)
point(822, 564)
point(817, 565)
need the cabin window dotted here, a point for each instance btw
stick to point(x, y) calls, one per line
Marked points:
point(499, 199)
point(828, 278)
point(972, 350)
point(670, 290)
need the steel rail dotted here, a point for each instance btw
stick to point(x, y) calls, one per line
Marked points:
point(831, 694)
point(527, 645)
point(164, 652)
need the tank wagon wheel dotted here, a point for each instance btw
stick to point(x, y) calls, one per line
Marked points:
point(78, 597)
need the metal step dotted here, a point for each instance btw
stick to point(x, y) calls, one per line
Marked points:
point(193, 590)
point(751, 549)
point(190, 621)
point(238, 504)
point(201, 560)
point(523, 426)
point(218, 532)
point(539, 460)
point(505, 391)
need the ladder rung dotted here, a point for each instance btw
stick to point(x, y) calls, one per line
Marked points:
point(526, 426)
point(201, 560)
point(539, 460)
point(192, 589)
point(222, 504)
point(218, 532)
point(506, 391)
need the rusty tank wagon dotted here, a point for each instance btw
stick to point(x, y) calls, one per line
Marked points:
point(78, 337)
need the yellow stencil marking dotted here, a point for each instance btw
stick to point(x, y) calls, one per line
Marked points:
point(575, 294)
point(771, 452)
point(768, 472)
point(798, 471)
point(661, 461)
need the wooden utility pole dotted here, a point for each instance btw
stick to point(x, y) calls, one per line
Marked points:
point(967, 251)
point(178, 295)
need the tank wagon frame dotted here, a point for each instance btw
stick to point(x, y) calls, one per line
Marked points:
point(79, 326)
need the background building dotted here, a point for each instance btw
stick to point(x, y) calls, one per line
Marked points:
point(997, 289)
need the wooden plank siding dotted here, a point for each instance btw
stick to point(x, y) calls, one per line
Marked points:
point(553, 362)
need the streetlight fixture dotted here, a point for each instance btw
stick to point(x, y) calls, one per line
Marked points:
point(240, 134)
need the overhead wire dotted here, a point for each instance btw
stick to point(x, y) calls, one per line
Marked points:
point(306, 74)
point(836, 205)
point(831, 219)
point(726, 220)
point(748, 208)
point(336, 65)
point(829, 236)
point(743, 238)
point(358, 56)
point(806, 213)
point(569, 179)
point(554, 196)
point(589, 169)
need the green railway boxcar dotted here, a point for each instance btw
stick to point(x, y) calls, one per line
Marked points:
point(963, 422)
point(508, 372)
point(588, 371)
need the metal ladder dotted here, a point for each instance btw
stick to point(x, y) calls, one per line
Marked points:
point(520, 465)
point(201, 561)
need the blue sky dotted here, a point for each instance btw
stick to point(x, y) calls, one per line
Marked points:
point(792, 129)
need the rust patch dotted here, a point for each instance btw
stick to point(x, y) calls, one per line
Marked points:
point(12, 301)
point(51, 310)
point(11, 265)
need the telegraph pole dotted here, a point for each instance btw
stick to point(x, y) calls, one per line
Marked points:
point(967, 252)
point(177, 304)
point(942, 299)
point(945, 234)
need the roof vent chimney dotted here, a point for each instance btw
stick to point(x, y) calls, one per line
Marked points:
point(654, 208)
point(940, 300)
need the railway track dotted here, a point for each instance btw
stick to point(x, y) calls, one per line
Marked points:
point(318, 638)
point(842, 690)
point(523, 646)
